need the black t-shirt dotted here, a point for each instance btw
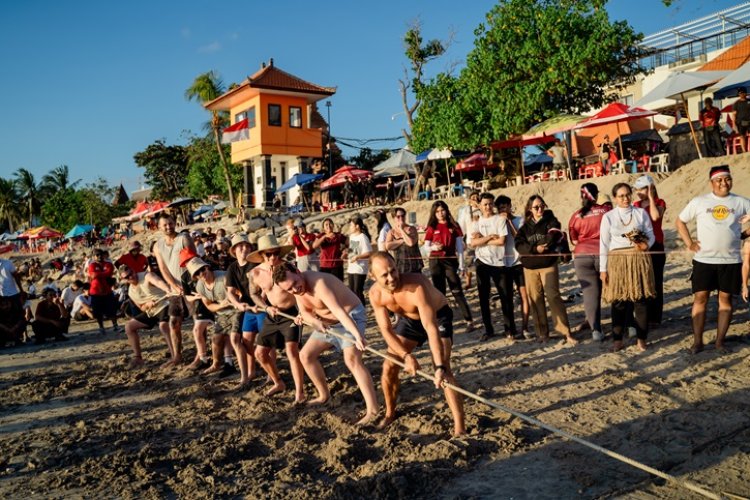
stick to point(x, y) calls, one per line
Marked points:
point(237, 278)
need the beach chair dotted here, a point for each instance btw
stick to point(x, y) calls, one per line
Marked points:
point(660, 163)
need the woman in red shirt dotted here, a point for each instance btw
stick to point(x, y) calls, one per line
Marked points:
point(331, 244)
point(103, 301)
point(445, 242)
point(583, 229)
point(648, 199)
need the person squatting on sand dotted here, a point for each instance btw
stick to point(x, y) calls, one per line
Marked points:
point(326, 304)
point(425, 316)
point(151, 295)
point(627, 273)
point(277, 331)
point(717, 263)
point(167, 253)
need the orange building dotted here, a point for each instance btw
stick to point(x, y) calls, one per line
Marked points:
point(286, 131)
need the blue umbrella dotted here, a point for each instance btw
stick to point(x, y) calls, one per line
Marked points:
point(202, 210)
point(299, 180)
point(78, 230)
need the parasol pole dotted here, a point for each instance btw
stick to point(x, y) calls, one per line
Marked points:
point(447, 174)
point(619, 140)
point(690, 122)
point(523, 170)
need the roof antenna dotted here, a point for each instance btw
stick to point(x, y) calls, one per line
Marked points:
point(262, 65)
point(270, 62)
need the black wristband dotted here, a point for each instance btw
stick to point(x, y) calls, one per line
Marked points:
point(439, 367)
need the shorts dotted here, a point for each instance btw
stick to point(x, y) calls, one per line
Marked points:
point(278, 331)
point(201, 312)
point(151, 321)
point(79, 316)
point(359, 316)
point(412, 329)
point(222, 324)
point(515, 273)
point(104, 306)
point(253, 322)
point(726, 278)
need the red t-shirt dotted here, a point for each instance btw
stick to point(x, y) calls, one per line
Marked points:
point(99, 272)
point(301, 249)
point(330, 250)
point(445, 236)
point(709, 117)
point(585, 230)
point(138, 263)
point(658, 232)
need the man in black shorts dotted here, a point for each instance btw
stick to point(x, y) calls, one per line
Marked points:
point(425, 316)
point(151, 295)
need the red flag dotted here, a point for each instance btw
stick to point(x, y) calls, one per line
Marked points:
point(240, 131)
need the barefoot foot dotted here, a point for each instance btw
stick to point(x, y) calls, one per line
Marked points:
point(387, 421)
point(168, 365)
point(320, 400)
point(696, 348)
point(212, 369)
point(135, 363)
point(642, 346)
point(617, 346)
point(277, 388)
point(368, 419)
point(570, 340)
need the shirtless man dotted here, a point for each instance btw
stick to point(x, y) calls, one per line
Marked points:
point(277, 332)
point(426, 316)
point(328, 305)
point(167, 252)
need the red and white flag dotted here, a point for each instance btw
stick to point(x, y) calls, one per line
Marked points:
point(240, 131)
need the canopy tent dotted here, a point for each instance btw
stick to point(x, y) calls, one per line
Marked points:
point(395, 172)
point(518, 141)
point(421, 157)
point(401, 159)
point(650, 138)
point(615, 112)
point(78, 230)
point(42, 232)
point(676, 85)
point(555, 125)
point(537, 160)
point(728, 85)
point(299, 180)
point(339, 178)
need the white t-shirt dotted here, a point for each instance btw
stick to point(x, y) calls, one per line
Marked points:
point(79, 302)
point(358, 244)
point(492, 255)
point(464, 219)
point(69, 296)
point(718, 226)
point(615, 224)
point(512, 257)
point(8, 286)
point(382, 235)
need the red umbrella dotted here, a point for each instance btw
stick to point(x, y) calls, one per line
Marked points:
point(339, 178)
point(475, 162)
point(615, 113)
point(42, 232)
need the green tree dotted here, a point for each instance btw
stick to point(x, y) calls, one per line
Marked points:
point(9, 213)
point(58, 179)
point(166, 168)
point(205, 176)
point(28, 191)
point(207, 87)
point(532, 59)
point(64, 209)
point(367, 160)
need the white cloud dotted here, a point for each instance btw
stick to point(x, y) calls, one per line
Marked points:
point(210, 48)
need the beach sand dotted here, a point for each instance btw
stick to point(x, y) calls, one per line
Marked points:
point(75, 423)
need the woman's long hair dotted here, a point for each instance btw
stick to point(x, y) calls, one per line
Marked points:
point(382, 218)
point(527, 214)
point(449, 220)
point(589, 193)
point(357, 221)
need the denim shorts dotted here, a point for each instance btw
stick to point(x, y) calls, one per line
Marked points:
point(359, 315)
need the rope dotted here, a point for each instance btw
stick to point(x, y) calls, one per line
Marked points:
point(617, 456)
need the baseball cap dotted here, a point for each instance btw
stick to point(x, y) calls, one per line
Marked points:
point(643, 181)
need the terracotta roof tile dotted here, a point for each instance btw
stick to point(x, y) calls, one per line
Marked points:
point(271, 77)
point(731, 59)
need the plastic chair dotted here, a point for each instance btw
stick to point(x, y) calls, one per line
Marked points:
point(660, 163)
point(618, 168)
point(734, 143)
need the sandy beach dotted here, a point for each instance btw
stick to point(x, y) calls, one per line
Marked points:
point(75, 423)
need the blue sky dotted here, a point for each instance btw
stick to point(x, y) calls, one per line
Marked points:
point(90, 83)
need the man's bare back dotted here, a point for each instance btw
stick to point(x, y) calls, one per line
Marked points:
point(263, 279)
point(322, 286)
point(403, 301)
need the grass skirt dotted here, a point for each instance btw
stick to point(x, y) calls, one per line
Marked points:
point(630, 276)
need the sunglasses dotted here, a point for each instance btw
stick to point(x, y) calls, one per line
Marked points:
point(272, 254)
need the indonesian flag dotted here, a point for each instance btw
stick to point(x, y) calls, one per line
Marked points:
point(240, 131)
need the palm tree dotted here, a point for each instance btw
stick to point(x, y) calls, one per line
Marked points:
point(58, 179)
point(29, 191)
point(207, 87)
point(8, 203)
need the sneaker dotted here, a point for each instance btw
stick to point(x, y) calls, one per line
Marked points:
point(528, 335)
point(597, 335)
point(227, 370)
point(631, 332)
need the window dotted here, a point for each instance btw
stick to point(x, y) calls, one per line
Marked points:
point(295, 117)
point(626, 100)
point(249, 114)
point(274, 115)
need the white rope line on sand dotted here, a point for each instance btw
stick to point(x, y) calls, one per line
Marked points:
point(617, 456)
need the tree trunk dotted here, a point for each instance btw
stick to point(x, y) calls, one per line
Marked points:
point(224, 165)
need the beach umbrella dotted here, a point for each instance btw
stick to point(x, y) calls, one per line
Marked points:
point(202, 210)
point(78, 230)
point(616, 112)
point(42, 232)
point(555, 125)
point(674, 88)
point(442, 154)
point(339, 178)
point(181, 201)
point(728, 85)
point(475, 162)
point(299, 180)
point(518, 141)
point(399, 160)
point(422, 157)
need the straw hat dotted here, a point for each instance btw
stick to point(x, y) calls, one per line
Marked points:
point(265, 243)
point(237, 238)
point(195, 264)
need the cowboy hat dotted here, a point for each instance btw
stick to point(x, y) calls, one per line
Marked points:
point(237, 238)
point(195, 264)
point(265, 243)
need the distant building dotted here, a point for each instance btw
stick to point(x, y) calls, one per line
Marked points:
point(120, 197)
point(286, 130)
